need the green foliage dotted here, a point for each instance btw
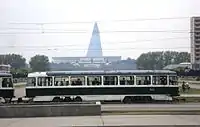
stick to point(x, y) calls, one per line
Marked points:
point(158, 60)
point(39, 63)
point(179, 69)
point(198, 79)
point(16, 61)
point(19, 73)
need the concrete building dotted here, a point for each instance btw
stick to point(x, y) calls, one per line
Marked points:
point(94, 49)
point(94, 54)
point(94, 59)
point(195, 42)
point(174, 66)
point(86, 60)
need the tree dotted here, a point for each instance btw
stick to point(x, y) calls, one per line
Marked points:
point(20, 73)
point(129, 58)
point(15, 60)
point(39, 63)
point(158, 60)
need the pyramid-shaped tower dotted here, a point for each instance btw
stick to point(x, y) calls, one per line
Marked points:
point(94, 49)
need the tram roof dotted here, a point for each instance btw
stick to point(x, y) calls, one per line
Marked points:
point(37, 74)
point(117, 72)
point(2, 74)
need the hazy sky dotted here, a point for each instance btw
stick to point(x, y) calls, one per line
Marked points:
point(67, 26)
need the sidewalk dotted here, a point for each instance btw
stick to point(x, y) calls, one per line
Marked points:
point(111, 120)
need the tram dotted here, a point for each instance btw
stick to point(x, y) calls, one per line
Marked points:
point(124, 85)
point(6, 84)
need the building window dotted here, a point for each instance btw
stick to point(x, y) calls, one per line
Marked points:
point(197, 46)
point(197, 50)
point(197, 37)
point(196, 20)
point(197, 33)
point(197, 29)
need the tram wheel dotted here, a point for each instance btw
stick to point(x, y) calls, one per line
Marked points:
point(67, 99)
point(56, 99)
point(127, 100)
point(19, 100)
point(147, 99)
point(78, 99)
point(7, 100)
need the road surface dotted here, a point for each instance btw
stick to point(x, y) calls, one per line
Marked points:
point(111, 120)
point(20, 92)
point(163, 107)
point(195, 86)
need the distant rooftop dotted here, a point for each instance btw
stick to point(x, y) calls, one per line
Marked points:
point(173, 66)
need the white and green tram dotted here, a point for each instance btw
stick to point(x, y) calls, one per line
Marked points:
point(124, 85)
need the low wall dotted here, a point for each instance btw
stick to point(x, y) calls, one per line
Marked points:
point(13, 111)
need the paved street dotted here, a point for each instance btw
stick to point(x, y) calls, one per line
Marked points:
point(195, 86)
point(163, 107)
point(102, 120)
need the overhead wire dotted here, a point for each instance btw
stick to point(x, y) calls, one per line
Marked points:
point(111, 49)
point(108, 49)
point(84, 31)
point(98, 21)
point(63, 31)
point(59, 31)
point(80, 32)
point(104, 42)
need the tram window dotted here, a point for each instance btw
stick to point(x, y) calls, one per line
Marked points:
point(77, 80)
point(61, 81)
point(44, 81)
point(6, 82)
point(110, 80)
point(173, 80)
point(143, 80)
point(31, 81)
point(159, 80)
point(94, 80)
point(126, 80)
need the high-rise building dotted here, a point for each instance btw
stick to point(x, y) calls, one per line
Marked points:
point(94, 49)
point(94, 59)
point(94, 54)
point(195, 42)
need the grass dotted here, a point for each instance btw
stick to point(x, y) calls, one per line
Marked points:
point(190, 82)
point(19, 85)
point(191, 91)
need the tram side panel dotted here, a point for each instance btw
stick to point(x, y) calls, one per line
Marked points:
point(78, 91)
point(7, 93)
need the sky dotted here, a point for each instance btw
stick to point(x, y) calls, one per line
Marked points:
point(64, 27)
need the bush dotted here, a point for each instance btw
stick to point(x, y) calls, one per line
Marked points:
point(198, 79)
